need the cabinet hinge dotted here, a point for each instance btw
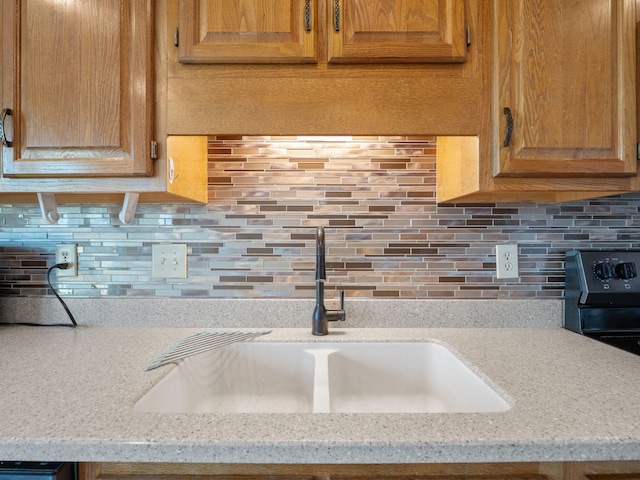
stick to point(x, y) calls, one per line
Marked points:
point(468, 36)
point(176, 37)
point(638, 150)
point(154, 149)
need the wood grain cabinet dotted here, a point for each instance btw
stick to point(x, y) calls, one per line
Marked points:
point(626, 470)
point(361, 31)
point(565, 79)
point(629, 470)
point(558, 106)
point(296, 31)
point(83, 89)
point(460, 471)
point(77, 87)
point(247, 31)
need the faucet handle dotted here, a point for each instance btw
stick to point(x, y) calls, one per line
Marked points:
point(341, 313)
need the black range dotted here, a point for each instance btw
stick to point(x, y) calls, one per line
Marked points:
point(602, 296)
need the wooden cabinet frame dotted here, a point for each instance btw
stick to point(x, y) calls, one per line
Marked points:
point(74, 114)
point(571, 93)
point(310, 31)
point(626, 470)
point(457, 471)
point(361, 37)
point(185, 182)
point(275, 32)
point(467, 166)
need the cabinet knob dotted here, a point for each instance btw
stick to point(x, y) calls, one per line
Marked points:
point(3, 137)
point(509, 130)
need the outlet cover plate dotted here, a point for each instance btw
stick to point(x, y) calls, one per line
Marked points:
point(507, 261)
point(67, 253)
point(169, 261)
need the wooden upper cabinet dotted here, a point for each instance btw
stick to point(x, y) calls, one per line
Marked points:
point(397, 31)
point(247, 31)
point(307, 31)
point(565, 70)
point(78, 81)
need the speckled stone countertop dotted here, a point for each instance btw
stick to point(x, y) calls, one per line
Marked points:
point(68, 395)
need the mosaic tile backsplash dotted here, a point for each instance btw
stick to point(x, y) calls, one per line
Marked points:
point(386, 237)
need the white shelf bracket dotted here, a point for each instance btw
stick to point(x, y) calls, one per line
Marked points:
point(48, 207)
point(129, 206)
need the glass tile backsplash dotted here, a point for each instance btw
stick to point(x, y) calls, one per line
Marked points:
point(386, 237)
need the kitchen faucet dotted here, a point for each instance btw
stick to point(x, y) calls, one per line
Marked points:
point(322, 316)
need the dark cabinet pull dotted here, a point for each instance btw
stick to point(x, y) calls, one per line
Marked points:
point(509, 131)
point(336, 15)
point(307, 15)
point(3, 137)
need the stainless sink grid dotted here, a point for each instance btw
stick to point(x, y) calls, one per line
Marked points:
point(202, 342)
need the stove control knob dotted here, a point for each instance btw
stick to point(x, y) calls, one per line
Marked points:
point(626, 270)
point(604, 271)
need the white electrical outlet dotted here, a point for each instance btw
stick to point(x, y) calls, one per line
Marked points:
point(507, 261)
point(169, 261)
point(67, 253)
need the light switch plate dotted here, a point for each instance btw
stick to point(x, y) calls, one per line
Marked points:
point(169, 261)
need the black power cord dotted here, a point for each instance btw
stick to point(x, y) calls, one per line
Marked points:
point(73, 324)
point(61, 266)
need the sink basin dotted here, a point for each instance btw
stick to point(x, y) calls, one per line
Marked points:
point(244, 377)
point(406, 377)
point(323, 377)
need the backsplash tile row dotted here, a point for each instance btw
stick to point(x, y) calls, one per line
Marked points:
point(386, 237)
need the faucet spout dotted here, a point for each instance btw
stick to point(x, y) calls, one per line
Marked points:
point(322, 316)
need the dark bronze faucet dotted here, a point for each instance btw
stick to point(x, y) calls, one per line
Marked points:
point(322, 316)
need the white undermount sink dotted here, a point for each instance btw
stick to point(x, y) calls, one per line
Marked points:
point(323, 377)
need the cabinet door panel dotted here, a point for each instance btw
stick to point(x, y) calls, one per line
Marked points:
point(397, 31)
point(566, 70)
point(82, 84)
point(247, 31)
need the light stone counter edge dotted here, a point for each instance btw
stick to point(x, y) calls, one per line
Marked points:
point(68, 395)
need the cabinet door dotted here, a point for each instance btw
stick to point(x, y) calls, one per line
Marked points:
point(425, 471)
point(247, 31)
point(77, 78)
point(365, 31)
point(565, 69)
point(625, 470)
